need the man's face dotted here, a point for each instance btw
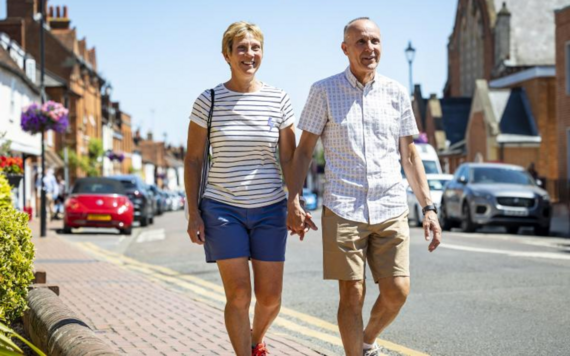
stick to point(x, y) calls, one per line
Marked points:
point(362, 46)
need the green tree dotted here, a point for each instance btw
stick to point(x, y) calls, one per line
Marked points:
point(90, 164)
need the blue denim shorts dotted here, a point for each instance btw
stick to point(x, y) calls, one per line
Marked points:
point(256, 233)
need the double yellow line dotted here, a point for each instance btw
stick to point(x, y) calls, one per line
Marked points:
point(213, 295)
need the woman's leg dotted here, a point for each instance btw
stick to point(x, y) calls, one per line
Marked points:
point(268, 284)
point(237, 285)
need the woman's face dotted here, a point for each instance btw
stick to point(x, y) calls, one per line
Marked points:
point(246, 56)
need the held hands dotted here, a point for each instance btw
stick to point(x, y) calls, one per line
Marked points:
point(431, 223)
point(298, 220)
point(196, 229)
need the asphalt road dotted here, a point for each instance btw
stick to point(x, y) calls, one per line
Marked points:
point(478, 294)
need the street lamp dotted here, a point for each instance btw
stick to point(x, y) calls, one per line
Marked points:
point(43, 215)
point(410, 53)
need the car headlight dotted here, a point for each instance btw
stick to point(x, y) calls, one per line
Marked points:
point(546, 197)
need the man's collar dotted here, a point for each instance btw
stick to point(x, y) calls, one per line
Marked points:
point(354, 82)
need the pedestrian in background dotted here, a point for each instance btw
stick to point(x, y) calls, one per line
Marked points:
point(366, 124)
point(51, 189)
point(243, 212)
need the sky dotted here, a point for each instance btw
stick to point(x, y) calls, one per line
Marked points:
point(160, 55)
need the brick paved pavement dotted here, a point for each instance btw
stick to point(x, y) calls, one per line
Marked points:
point(134, 314)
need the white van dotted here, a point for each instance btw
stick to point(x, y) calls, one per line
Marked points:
point(429, 158)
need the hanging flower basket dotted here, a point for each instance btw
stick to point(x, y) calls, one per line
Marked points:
point(40, 118)
point(115, 156)
point(13, 169)
point(14, 179)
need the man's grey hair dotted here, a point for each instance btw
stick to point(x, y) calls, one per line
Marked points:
point(351, 22)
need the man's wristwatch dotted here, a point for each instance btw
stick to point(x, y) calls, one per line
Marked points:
point(429, 208)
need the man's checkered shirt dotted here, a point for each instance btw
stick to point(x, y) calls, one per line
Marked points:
point(360, 127)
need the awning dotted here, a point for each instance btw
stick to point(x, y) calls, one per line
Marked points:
point(53, 160)
point(32, 147)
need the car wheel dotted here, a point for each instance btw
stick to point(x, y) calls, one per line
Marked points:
point(513, 230)
point(144, 221)
point(128, 231)
point(151, 220)
point(446, 223)
point(467, 224)
point(542, 230)
point(67, 230)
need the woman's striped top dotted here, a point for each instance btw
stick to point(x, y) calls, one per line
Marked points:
point(244, 136)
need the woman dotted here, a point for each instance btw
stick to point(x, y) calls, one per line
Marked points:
point(242, 214)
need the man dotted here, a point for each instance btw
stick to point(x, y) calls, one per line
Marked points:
point(366, 125)
point(52, 190)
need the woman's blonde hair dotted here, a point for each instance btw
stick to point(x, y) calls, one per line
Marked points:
point(238, 30)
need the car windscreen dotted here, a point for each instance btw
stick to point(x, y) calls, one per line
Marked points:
point(98, 187)
point(437, 184)
point(128, 185)
point(486, 175)
point(431, 167)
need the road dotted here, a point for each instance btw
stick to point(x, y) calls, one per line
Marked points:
point(478, 294)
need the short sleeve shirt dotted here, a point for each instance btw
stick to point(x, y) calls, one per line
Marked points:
point(360, 127)
point(244, 171)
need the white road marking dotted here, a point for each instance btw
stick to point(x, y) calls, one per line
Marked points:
point(151, 235)
point(549, 255)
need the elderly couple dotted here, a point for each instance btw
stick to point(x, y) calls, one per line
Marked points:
point(366, 125)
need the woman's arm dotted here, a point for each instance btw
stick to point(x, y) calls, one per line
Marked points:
point(193, 162)
point(286, 152)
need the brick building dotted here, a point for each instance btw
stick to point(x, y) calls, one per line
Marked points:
point(563, 99)
point(71, 68)
point(495, 38)
point(117, 138)
point(501, 88)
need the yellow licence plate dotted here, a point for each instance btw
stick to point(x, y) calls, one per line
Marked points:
point(99, 217)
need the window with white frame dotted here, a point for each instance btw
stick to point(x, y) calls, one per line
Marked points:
point(49, 138)
point(13, 100)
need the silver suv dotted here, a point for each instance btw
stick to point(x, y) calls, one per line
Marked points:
point(495, 194)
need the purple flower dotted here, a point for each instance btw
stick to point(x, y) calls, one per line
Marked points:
point(49, 116)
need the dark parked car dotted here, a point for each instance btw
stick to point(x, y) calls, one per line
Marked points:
point(140, 196)
point(495, 194)
point(159, 200)
point(98, 202)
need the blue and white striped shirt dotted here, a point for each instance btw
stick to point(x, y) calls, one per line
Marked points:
point(244, 137)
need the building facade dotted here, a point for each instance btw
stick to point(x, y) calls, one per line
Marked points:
point(563, 99)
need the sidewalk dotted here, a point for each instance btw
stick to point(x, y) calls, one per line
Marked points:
point(134, 315)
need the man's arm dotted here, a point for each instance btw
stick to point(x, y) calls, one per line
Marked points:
point(416, 175)
point(301, 160)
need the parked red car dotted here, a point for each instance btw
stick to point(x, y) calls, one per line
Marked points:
point(98, 202)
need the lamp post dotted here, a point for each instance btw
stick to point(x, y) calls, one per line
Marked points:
point(43, 215)
point(410, 53)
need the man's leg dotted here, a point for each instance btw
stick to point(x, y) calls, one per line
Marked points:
point(393, 294)
point(237, 285)
point(268, 285)
point(350, 315)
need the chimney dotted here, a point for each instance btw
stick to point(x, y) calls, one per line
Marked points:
point(502, 35)
point(149, 136)
point(22, 8)
point(58, 22)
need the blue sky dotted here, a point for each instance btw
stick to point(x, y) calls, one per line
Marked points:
point(160, 55)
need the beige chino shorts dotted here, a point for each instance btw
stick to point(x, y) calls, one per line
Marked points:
point(349, 245)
